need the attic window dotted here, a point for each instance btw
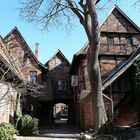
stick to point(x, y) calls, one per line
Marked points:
point(21, 54)
point(32, 77)
point(110, 40)
point(128, 41)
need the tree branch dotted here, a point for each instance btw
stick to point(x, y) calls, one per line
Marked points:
point(76, 12)
point(69, 6)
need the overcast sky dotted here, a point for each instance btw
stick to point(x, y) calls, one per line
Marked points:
point(68, 43)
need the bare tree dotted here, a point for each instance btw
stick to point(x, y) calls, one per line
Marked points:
point(12, 83)
point(57, 12)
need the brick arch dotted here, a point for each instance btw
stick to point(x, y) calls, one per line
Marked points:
point(70, 105)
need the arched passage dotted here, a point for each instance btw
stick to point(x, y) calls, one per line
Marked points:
point(60, 113)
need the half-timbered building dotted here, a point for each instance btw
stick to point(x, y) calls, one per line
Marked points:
point(119, 38)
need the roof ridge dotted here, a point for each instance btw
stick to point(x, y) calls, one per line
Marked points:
point(58, 51)
point(123, 13)
point(16, 29)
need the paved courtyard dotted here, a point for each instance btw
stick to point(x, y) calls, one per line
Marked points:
point(59, 132)
point(41, 138)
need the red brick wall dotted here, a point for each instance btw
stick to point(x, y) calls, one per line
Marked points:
point(117, 22)
point(59, 70)
point(87, 121)
point(114, 26)
point(118, 27)
point(127, 116)
point(16, 46)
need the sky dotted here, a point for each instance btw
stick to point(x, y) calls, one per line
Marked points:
point(51, 41)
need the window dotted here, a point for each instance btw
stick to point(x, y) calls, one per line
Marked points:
point(56, 62)
point(33, 77)
point(128, 41)
point(110, 40)
point(64, 107)
point(62, 85)
point(21, 54)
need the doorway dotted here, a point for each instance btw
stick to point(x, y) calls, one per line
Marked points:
point(60, 113)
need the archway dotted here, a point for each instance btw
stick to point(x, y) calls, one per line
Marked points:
point(60, 113)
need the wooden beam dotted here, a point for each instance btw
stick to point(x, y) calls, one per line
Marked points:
point(119, 33)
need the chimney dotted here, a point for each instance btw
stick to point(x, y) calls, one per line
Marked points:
point(36, 49)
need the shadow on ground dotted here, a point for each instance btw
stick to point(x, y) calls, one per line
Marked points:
point(60, 129)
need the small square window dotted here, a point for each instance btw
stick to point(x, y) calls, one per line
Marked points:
point(128, 41)
point(110, 40)
point(62, 85)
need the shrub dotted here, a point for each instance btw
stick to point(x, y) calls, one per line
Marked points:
point(27, 125)
point(6, 131)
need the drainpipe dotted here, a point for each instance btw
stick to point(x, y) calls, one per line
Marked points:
point(111, 101)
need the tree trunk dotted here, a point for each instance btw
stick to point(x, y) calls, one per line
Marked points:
point(93, 33)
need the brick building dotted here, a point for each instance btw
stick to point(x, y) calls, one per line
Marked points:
point(30, 68)
point(51, 81)
point(58, 73)
point(12, 85)
point(119, 38)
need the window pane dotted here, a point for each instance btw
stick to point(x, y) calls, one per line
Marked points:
point(59, 83)
point(33, 76)
point(128, 41)
point(110, 40)
point(62, 85)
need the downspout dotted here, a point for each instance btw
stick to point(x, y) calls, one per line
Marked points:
point(111, 101)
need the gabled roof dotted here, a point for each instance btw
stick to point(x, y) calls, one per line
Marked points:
point(5, 56)
point(58, 52)
point(76, 56)
point(2, 49)
point(27, 46)
point(8, 72)
point(121, 68)
point(122, 13)
point(84, 49)
point(10, 75)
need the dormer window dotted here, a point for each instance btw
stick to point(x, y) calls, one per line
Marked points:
point(110, 40)
point(128, 41)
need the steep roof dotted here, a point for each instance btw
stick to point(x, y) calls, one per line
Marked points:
point(77, 56)
point(58, 52)
point(9, 74)
point(8, 59)
point(84, 49)
point(121, 68)
point(115, 7)
point(15, 29)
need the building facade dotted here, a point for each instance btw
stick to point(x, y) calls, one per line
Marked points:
point(11, 86)
point(58, 73)
point(32, 71)
point(120, 36)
